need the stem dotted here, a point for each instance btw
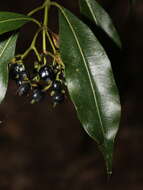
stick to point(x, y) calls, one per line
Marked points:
point(38, 8)
point(36, 21)
point(51, 42)
point(37, 54)
point(32, 47)
point(56, 58)
point(47, 6)
point(56, 5)
point(44, 29)
point(35, 10)
point(50, 54)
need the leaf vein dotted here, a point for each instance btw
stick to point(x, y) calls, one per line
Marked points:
point(9, 20)
point(96, 21)
point(5, 46)
point(82, 54)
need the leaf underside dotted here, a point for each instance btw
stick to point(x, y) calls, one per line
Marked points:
point(10, 21)
point(90, 82)
point(7, 50)
point(94, 12)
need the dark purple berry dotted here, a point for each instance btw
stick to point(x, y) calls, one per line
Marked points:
point(46, 73)
point(58, 98)
point(19, 82)
point(22, 75)
point(19, 68)
point(15, 69)
point(23, 89)
point(37, 96)
point(57, 85)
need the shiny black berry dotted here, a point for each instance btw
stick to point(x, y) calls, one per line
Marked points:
point(19, 67)
point(37, 96)
point(15, 69)
point(57, 85)
point(46, 73)
point(58, 98)
point(19, 82)
point(22, 75)
point(23, 89)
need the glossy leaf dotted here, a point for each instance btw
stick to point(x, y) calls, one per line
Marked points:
point(7, 50)
point(11, 21)
point(94, 12)
point(90, 82)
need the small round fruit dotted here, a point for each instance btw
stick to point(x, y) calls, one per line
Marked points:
point(22, 75)
point(19, 82)
point(57, 85)
point(58, 98)
point(46, 73)
point(37, 96)
point(15, 69)
point(19, 67)
point(23, 89)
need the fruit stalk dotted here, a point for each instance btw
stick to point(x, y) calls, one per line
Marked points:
point(45, 23)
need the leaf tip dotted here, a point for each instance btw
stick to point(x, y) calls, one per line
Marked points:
point(119, 43)
point(107, 151)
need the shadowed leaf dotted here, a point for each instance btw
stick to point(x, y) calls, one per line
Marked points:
point(94, 12)
point(11, 21)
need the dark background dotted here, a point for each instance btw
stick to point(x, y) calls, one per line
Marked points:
point(46, 148)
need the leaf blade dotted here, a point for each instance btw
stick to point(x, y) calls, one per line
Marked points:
point(94, 12)
point(10, 21)
point(7, 50)
point(84, 76)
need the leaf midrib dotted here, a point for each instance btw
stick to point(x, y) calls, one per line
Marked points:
point(5, 46)
point(96, 20)
point(81, 51)
point(14, 19)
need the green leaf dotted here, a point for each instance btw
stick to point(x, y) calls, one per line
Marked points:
point(94, 12)
point(11, 21)
point(7, 50)
point(90, 82)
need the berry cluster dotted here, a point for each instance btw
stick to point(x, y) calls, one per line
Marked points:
point(45, 78)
